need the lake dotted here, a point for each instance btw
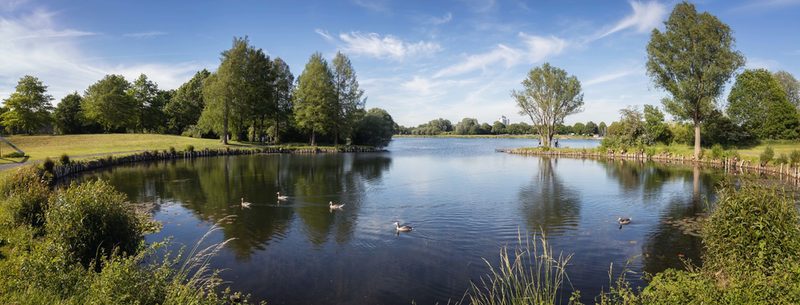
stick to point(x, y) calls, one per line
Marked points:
point(464, 200)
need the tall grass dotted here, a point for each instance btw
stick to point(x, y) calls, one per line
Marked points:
point(527, 274)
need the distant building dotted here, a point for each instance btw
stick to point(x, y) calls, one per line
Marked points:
point(504, 120)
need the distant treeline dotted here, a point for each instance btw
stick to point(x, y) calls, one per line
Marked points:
point(470, 126)
point(250, 97)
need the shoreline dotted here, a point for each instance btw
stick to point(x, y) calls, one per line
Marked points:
point(74, 167)
point(491, 136)
point(791, 174)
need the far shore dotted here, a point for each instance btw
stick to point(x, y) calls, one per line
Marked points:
point(500, 136)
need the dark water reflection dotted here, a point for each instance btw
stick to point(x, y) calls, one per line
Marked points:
point(464, 200)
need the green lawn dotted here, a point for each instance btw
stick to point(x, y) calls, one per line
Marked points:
point(93, 145)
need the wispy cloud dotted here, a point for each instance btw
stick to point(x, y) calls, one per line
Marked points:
point(373, 5)
point(535, 49)
point(387, 46)
point(144, 34)
point(763, 5)
point(604, 78)
point(325, 35)
point(441, 20)
point(44, 49)
point(645, 17)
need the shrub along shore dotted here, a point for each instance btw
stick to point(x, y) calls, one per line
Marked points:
point(724, 160)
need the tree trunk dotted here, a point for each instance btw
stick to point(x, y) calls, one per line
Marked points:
point(697, 141)
point(336, 138)
point(313, 138)
point(275, 138)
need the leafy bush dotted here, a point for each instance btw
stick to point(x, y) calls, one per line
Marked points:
point(15, 154)
point(717, 152)
point(782, 159)
point(753, 229)
point(766, 155)
point(64, 159)
point(27, 205)
point(794, 157)
point(172, 150)
point(48, 165)
point(375, 128)
point(189, 148)
point(91, 220)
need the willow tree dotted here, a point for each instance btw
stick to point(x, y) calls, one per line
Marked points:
point(692, 60)
point(549, 95)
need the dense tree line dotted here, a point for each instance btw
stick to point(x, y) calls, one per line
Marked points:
point(471, 126)
point(250, 97)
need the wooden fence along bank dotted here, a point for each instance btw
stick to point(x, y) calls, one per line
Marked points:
point(783, 172)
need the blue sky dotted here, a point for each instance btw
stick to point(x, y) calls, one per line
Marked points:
point(420, 60)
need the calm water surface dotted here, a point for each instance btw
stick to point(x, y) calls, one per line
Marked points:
point(464, 200)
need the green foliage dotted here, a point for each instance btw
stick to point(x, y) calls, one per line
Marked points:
point(64, 159)
point(315, 97)
point(150, 102)
point(759, 104)
point(754, 229)
point(48, 165)
point(189, 148)
point(790, 86)
point(549, 95)
point(794, 157)
point(349, 102)
point(717, 152)
point(468, 126)
point(692, 60)
point(528, 274)
point(629, 131)
point(28, 108)
point(91, 220)
point(681, 133)
point(434, 127)
point(655, 130)
point(108, 103)
point(375, 128)
point(766, 156)
point(68, 115)
point(185, 106)
point(26, 194)
point(719, 129)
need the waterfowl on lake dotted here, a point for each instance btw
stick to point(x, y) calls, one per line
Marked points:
point(334, 206)
point(624, 220)
point(403, 228)
point(282, 197)
point(245, 204)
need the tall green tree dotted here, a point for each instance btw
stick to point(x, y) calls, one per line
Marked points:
point(282, 88)
point(315, 98)
point(790, 85)
point(349, 100)
point(150, 101)
point(28, 108)
point(548, 96)
point(108, 103)
point(591, 128)
point(692, 60)
point(184, 108)
point(234, 93)
point(758, 103)
point(579, 128)
point(68, 115)
point(601, 129)
point(655, 129)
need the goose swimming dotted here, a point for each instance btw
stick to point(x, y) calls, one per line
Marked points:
point(334, 206)
point(403, 228)
point(245, 204)
point(282, 198)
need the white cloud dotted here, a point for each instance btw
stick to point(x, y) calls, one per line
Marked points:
point(41, 48)
point(441, 20)
point(324, 35)
point(536, 49)
point(144, 34)
point(645, 17)
point(388, 46)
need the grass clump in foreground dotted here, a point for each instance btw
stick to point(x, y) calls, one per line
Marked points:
point(752, 256)
point(84, 245)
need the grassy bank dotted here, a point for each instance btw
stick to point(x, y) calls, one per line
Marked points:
point(91, 145)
